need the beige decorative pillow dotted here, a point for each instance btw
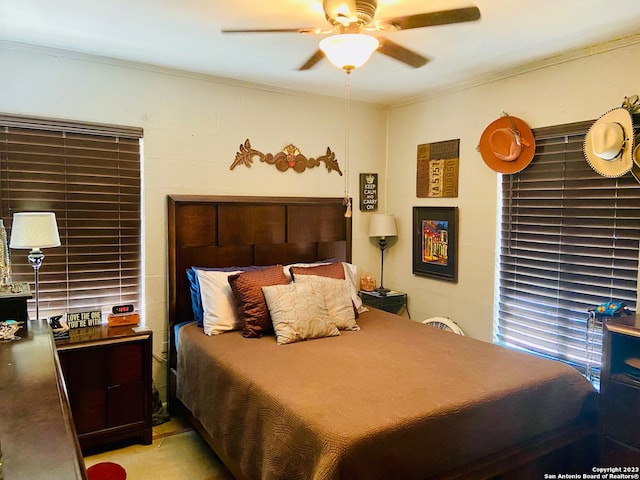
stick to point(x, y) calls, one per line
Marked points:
point(337, 298)
point(345, 270)
point(298, 313)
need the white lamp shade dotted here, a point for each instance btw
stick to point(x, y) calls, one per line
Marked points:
point(349, 50)
point(34, 230)
point(382, 225)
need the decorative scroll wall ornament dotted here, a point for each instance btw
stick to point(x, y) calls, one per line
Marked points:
point(289, 157)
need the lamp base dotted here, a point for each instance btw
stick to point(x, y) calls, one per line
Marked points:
point(35, 258)
point(382, 291)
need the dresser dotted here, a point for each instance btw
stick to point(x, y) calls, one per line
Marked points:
point(620, 392)
point(37, 435)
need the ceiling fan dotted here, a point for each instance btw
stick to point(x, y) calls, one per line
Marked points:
point(353, 18)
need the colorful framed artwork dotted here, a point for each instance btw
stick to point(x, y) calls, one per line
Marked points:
point(435, 242)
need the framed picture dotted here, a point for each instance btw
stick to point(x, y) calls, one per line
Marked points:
point(435, 242)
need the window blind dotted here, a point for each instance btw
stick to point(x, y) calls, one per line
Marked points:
point(569, 242)
point(89, 176)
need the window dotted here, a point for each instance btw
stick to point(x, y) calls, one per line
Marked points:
point(89, 176)
point(568, 242)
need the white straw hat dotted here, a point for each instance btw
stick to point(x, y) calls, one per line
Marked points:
point(608, 145)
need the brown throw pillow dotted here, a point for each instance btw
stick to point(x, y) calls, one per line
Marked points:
point(331, 270)
point(252, 307)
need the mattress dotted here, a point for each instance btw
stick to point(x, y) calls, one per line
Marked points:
point(396, 399)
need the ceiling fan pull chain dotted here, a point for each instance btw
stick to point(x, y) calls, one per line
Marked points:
point(347, 200)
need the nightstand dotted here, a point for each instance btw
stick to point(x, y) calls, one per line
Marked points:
point(107, 372)
point(393, 301)
point(620, 392)
point(13, 304)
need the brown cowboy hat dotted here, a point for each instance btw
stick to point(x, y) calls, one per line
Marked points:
point(608, 146)
point(507, 145)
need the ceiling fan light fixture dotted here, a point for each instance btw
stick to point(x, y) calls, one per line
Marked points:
point(349, 50)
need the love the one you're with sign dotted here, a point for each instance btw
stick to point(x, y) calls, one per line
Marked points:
point(88, 318)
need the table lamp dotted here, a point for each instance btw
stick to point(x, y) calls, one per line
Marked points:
point(382, 225)
point(34, 231)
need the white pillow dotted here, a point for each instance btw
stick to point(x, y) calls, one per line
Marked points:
point(337, 298)
point(298, 313)
point(218, 302)
point(351, 274)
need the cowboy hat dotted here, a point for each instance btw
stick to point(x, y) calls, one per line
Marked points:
point(608, 146)
point(507, 145)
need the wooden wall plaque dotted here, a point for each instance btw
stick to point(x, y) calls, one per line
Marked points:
point(437, 169)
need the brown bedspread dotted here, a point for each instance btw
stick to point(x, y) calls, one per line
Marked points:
point(395, 400)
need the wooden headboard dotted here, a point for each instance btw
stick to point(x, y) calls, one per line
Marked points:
point(219, 231)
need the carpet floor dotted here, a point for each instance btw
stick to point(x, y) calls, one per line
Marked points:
point(176, 453)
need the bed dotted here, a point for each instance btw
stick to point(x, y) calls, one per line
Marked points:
point(391, 399)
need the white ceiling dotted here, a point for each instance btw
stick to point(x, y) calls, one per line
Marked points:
point(511, 36)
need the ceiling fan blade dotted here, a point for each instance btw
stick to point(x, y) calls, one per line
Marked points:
point(313, 60)
point(272, 30)
point(400, 53)
point(430, 19)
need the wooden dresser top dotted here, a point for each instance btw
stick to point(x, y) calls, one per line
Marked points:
point(37, 435)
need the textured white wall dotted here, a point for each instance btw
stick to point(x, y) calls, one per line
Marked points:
point(574, 91)
point(193, 127)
